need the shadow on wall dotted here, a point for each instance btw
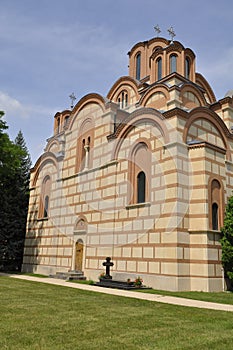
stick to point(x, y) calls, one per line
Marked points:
point(32, 241)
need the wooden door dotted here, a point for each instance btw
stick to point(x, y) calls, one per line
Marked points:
point(79, 256)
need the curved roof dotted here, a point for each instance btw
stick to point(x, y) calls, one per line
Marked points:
point(125, 80)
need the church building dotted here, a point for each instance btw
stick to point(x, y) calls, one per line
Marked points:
point(142, 175)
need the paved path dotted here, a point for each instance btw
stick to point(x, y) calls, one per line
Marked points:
point(129, 294)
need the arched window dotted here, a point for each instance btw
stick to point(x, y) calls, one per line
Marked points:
point(123, 99)
point(215, 225)
point(126, 100)
point(173, 59)
point(58, 125)
point(187, 68)
point(45, 196)
point(85, 145)
point(141, 187)
point(159, 68)
point(139, 173)
point(138, 66)
point(66, 121)
point(215, 205)
point(46, 206)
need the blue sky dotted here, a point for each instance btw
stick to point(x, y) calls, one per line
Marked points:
point(51, 48)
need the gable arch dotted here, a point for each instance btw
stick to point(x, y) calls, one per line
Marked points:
point(160, 88)
point(186, 88)
point(123, 83)
point(212, 117)
point(91, 98)
point(52, 146)
point(136, 118)
point(46, 158)
point(200, 80)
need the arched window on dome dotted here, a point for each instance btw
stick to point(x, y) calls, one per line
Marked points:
point(187, 68)
point(159, 68)
point(138, 66)
point(58, 125)
point(173, 63)
point(66, 120)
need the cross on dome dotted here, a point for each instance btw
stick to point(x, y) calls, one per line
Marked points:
point(171, 33)
point(72, 98)
point(157, 29)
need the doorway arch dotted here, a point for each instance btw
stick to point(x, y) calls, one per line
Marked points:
point(79, 255)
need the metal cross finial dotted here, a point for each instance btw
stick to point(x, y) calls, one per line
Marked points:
point(157, 29)
point(72, 98)
point(171, 33)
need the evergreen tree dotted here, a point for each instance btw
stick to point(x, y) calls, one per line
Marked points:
point(12, 202)
point(21, 195)
point(227, 240)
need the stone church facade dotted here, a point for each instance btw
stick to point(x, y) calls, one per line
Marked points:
point(141, 175)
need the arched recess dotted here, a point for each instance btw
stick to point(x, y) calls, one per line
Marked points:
point(44, 159)
point(92, 98)
point(161, 89)
point(81, 224)
point(189, 102)
point(52, 146)
point(80, 232)
point(128, 83)
point(137, 118)
point(85, 145)
point(204, 113)
point(200, 80)
point(139, 174)
point(215, 202)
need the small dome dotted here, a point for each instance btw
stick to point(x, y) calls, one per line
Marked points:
point(229, 93)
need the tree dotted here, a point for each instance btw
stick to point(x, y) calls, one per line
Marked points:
point(13, 198)
point(227, 240)
point(21, 197)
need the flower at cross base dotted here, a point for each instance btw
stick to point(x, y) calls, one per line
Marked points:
point(102, 275)
point(138, 281)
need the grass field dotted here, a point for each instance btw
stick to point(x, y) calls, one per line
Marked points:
point(40, 316)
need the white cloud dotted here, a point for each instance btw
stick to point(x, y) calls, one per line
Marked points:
point(12, 106)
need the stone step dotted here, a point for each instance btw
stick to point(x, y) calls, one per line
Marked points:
point(109, 283)
point(69, 276)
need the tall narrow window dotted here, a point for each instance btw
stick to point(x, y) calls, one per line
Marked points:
point(187, 68)
point(159, 68)
point(215, 205)
point(215, 216)
point(141, 187)
point(173, 59)
point(66, 121)
point(126, 100)
point(138, 66)
point(85, 145)
point(44, 198)
point(83, 154)
point(58, 125)
point(46, 206)
point(122, 100)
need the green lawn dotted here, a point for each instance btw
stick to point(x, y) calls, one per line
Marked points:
point(40, 316)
